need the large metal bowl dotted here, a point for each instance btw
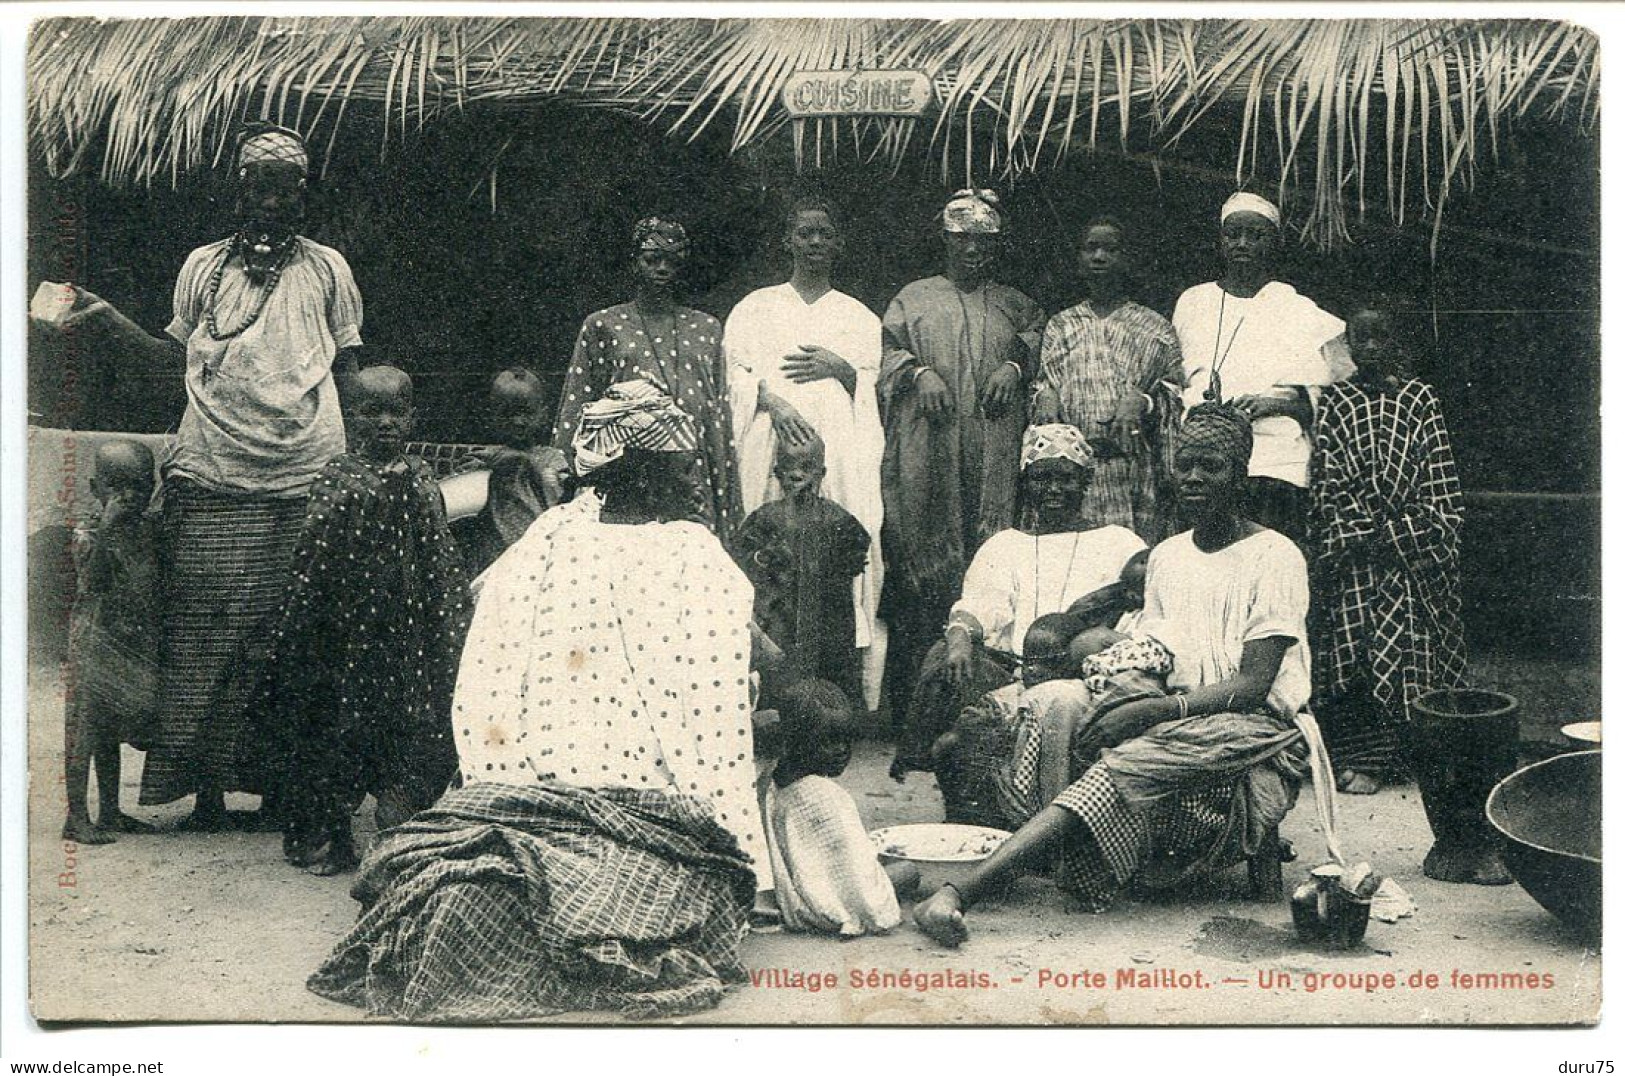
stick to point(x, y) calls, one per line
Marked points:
point(1551, 816)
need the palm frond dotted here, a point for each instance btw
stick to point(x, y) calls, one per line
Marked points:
point(1320, 108)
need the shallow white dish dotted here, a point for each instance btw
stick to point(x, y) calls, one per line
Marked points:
point(1585, 733)
point(945, 852)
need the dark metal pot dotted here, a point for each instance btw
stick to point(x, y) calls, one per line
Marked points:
point(1463, 742)
point(1551, 816)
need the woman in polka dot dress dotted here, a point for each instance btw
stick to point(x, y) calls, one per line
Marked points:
point(678, 350)
point(611, 643)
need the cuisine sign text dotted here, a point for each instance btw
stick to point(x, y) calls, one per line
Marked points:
point(857, 93)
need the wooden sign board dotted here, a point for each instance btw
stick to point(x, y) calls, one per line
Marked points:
point(858, 93)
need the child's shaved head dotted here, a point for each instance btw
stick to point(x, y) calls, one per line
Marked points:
point(516, 380)
point(799, 468)
point(809, 452)
point(1044, 648)
point(518, 408)
point(124, 464)
point(378, 412)
point(383, 381)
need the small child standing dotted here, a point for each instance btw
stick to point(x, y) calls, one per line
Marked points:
point(113, 640)
point(1385, 554)
point(802, 553)
point(365, 647)
point(826, 873)
point(527, 474)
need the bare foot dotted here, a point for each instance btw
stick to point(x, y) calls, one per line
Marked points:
point(335, 859)
point(83, 831)
point(940, 919)
point(1356, 783)
point(1490, 870)
point(302, 851)
point(119, 822)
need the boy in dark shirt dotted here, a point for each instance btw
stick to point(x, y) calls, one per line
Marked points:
point(801, 553)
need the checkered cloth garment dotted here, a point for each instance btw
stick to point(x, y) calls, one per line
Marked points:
point(507, 902)
point(1386, 563)
point(227, 567)
point(1188, 797)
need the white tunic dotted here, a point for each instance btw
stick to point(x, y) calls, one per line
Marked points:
point(1017, 577)
point(1270, 344)
point(769, 324)
point(1206, 606)
point(262, 410)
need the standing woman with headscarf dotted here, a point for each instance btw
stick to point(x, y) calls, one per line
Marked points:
point(262, 320)
point(673, 347)
point(960, 354)
point(803, 359)
point(1251, 341)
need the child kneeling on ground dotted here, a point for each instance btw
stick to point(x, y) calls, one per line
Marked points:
point(826, 871)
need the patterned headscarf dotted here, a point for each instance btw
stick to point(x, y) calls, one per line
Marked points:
point(268, 142)
point(1242, 202)
point(972, 211)
point(653, 233)
point(1218, 428)
point(632, 414)
point(1057, 441)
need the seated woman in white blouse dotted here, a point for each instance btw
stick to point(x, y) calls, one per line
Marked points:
point(1192, 782)
point(1016, 577)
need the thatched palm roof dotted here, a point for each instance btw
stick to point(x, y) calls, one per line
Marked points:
point(1325, 113)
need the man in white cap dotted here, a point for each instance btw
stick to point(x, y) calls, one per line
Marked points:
point(960, 352)
point(262, 319)
point(1251, 341)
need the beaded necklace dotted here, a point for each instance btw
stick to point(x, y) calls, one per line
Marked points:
point(1038, 606)
point(1215, 388)
point(269, 286)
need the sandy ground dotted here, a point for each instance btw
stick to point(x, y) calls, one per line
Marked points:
point(179, 927)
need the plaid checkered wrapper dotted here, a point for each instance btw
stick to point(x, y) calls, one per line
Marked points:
point(1385, 538)
point(507, 902)
point(1189, 797)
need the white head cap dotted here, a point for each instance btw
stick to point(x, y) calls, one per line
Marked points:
point(1242, 202)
